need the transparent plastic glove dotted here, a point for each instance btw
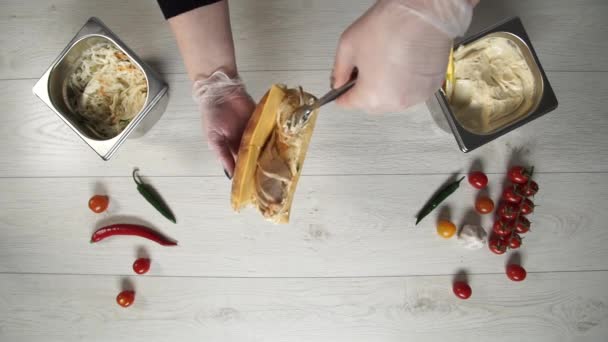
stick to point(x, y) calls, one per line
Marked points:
point(225, 107)
point(400, 48)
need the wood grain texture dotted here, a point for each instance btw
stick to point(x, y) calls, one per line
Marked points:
point(77, 308)
point(341, 226)
point(570, 139)
point(350, 266)
point(282, 34)
point(567, 35)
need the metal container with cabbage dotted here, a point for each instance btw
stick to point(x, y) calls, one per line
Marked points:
point(102, 90)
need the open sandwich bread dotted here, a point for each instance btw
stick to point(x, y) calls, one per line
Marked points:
point(271, 155)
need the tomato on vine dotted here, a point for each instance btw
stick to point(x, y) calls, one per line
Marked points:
point(522, 225)
point(497, 244)
point(518, 174)
point(502, 227)
point(512, 194)
point(527, 207)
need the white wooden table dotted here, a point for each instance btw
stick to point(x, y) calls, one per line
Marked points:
point(350, 266)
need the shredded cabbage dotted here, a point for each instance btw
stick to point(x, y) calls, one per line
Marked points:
point(106, 89)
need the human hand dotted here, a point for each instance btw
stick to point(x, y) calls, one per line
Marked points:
point(225, 107)
point(400, 48)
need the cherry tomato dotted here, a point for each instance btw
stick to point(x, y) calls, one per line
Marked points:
point(125, 298)
point(528, 189)
point(508, 211)
point(497, 244)
point(484, 205)
point(516, 272)
point(478, 179)
point(99, 203)
point(512, 194)
point(527, 207)
point(141, 265)
point(446, 229)
point(514, 241)
point(523, 225)
point(502, 227)
point(518, 174)
point(462, 290)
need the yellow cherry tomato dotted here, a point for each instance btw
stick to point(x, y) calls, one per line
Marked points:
point(446, 229)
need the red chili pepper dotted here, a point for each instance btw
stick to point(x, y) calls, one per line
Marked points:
point(131, 229)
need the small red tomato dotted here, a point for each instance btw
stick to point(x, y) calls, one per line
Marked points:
point(511, 194)
point(141, 265)
point(528, 189)
point(497, 245)
point(478, 179)
point(484, 205)
point(99, 203)
point(462, 290)
point(502, 227)
point(514, 241)
point(125, 298)
point(518, 174)
point(522, 225)
point(508, 211)
point(527, 207)
point(516, 272)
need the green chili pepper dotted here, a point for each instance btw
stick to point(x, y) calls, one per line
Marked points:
point(438, 198)
point(148, 192)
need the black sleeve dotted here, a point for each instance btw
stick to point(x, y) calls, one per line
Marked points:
point(171, 8)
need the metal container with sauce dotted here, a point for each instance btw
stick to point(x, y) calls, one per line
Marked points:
point(543, 98)
point(51, 89)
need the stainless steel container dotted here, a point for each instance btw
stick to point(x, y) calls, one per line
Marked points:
point(545, 100)
point(50, 89)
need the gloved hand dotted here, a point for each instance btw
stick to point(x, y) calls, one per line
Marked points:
point(400, 48)
point(225, 107)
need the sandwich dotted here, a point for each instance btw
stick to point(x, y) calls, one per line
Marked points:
point(271, 154)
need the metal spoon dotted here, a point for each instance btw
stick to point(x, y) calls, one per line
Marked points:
point(302, 113)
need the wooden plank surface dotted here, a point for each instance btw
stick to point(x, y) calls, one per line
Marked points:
point(341, 226)
point(350, 266)
point(77, 308)
point(282, 34)
point(570, 139)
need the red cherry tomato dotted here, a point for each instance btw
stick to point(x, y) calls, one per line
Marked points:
point(141, 265)
point(516, 272)
point(518, 174)
point(511, 194)
point(527, 207)
point(478, 179)
point(502, 227)
point(99, 203)
point(125, 298)
point(528, 189)
point(514, 241)
point(484, 205)
point(462, 290)
point(497, 244)
point(522, 225)
point(508, 211)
